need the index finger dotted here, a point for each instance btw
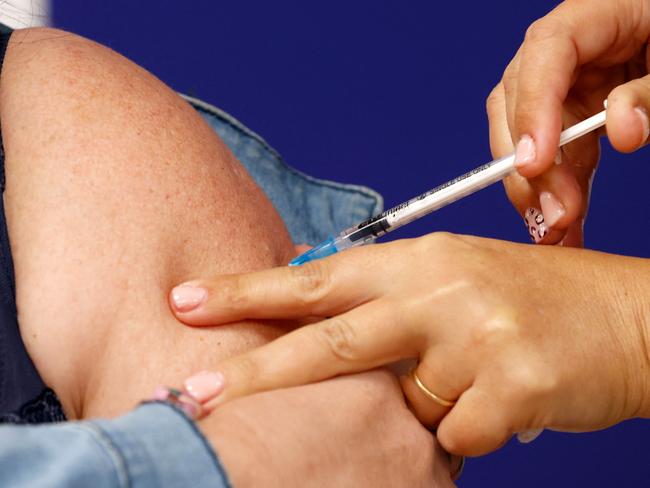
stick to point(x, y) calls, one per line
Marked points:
point(324, 287)
point(572, 35)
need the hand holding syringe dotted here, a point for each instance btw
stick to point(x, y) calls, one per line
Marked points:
point(471, 182)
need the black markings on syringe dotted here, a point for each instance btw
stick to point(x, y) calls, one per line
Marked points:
point(372, 227)
point(378, 225)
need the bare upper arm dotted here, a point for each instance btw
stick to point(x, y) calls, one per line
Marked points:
point(116, 191)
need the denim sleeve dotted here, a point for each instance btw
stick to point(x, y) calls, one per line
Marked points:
point(153, 446)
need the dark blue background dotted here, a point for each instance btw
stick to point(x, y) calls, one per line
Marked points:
point(390, 94)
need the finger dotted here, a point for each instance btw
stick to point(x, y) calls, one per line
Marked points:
point(561, 194)
point(181, 399)
point(322, 288)
point(564, 189)
point(538, 231)
point(554, 47)
point(510, 83)
point(500, 137)
point(434, 384)
point(518, 188)
point(427, 411)
point(574, 235)
point(475, 426)
point(559, 197)
point(581, 157)
point(362, 339)
point(521, 193)
point(628, 127)
point(524, 196)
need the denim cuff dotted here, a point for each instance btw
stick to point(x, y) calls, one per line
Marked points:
point(156, 445)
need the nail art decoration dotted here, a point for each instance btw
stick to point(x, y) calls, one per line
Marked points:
point(537, 228)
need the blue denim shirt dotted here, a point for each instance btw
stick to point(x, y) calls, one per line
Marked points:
point(156, 445)
point(312, 209)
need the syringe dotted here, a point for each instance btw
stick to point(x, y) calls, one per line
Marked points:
point(394, 218)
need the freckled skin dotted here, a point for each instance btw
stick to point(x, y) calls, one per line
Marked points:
point(116, 191)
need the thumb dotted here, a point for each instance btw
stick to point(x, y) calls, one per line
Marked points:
point(477, 425)
point(628, 127)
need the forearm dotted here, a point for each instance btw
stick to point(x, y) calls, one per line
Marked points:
point(154, 445)
point(624, 283)
point(642, 323)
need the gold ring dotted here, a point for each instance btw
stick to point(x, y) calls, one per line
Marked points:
point(429, 393)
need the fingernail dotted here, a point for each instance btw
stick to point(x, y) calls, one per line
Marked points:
point(525, 152)
point(204, 385)
point(558, 157)
point(187, 297)
point(191, 410)
point(537, 228)
point(643, 115)
point(529, 436)
point(189, 406)
point(177, 397)
point(552, 208)
point(161, 393)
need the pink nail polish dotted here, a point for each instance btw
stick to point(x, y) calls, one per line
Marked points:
point(161, 393)
point(188, 297)
point(525, 152)
point(204, 385)
point(552, 208)
point(643, 115)
point(537, 227)
point(190, 410)
point(189, 406)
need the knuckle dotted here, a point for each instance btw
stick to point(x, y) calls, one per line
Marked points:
point(530, 98)
point(528, 383)
point(543, 30)
point(494, 100)
point(247, 370)
point(439, 241)
point(494, 331)
point(617, 94)
point(232, 293)
point(509, 79)
point(312, 282)
point(339, 337)
point(443, 245)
